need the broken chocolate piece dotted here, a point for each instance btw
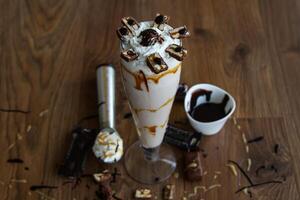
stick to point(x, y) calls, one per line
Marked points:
point(193, 168)
point(160, 21)
point(82, 142)
point(122, 32)
point(176, 51)
point(143, 194)
point(129, 55)
point(183, 139)
point(181, 92)
point(131, 24)
point(102, 177)
point(104, 192)
point(169, 192)
point(156, 63)
point(180, 32)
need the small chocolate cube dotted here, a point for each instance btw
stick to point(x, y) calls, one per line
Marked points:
point(156, 63)
point(143, 193)
point(180, 32)
point(193, 167)
point(129, 55)
point(160, 21)
point(169, 192)
point(176, 51)
point(131, 24)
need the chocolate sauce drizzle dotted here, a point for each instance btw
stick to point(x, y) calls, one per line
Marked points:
point(15, 160)
point(150, 37)
point(14, 111)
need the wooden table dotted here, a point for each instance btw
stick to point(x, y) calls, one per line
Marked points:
point(48, 54)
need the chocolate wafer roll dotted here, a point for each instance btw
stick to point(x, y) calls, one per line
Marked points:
point(131, 24)
point(156, 63)
point(176, 51)
point(160, 21)
point(180, 32)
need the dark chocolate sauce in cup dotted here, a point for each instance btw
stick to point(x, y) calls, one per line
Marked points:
point(208, 111)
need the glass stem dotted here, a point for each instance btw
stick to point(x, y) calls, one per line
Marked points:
point(151, 154)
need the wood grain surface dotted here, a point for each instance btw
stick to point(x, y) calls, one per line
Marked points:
point(48, 54)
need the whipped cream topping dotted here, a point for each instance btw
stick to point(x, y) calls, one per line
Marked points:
point(134, 43)
point(108, 146)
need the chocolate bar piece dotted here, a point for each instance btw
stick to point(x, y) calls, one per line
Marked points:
point(129, 55)
point(160, 21)
point(104, 192)
point(122, 32)
point(156, 63)
point(102, 177)
point(183, 139)
point(143, 194)
point(82, 142)
point(180, 32)
point(131, 24)
point(193, 167)
point(176, 51)
point(181, 92)
point(169, 192)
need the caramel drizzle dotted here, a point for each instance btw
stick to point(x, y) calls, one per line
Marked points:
point(140, 77)
point(137, 110)
point(152, 129)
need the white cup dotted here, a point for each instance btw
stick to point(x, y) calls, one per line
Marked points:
point(217, 95)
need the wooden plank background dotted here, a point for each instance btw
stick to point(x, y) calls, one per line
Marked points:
point(48, 54)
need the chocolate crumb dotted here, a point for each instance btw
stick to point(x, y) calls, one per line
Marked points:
point(204, 155)
point(15, 160)
point(276, 148)
point(127, 115)
point(156, 179)
point(26, 168)
point(257, 139)
point(39, 187)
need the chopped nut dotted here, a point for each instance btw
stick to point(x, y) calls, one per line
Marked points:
point(169, 192)
point(143, 194)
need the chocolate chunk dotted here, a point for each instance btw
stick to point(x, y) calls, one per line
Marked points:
point(131, 24)
point(156, 63)
point(160, 21)
point(102, 177)
point(193, 168)
point(143, 194)
point(180, 32)
point(183, 139)
point(176, 51)
point(82, 142)
point(181, 92)
point(104, 192)
point(122, 32)
point(150, 37)
point(129, 55)
point(169, 192)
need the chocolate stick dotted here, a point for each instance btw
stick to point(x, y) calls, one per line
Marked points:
point(256, 185)
point(242, 171)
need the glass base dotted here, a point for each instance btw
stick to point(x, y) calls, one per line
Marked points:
point(149, 166)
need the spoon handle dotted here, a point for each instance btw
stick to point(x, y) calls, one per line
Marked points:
point(106, 95)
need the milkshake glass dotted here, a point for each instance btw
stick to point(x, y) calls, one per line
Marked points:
point(150, 77)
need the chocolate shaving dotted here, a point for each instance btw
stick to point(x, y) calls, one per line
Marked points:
point(276, 148)
point(114, 175)
point(15, 160)
point(127, 115)
point(257, 139)
point(256, 185)
point(242, 171)
point(39, 187)
point(150, 37)
point(14, 110)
